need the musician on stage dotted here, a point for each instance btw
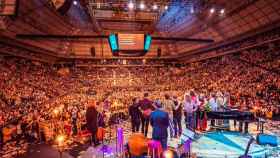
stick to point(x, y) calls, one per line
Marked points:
point(190, 108)
point(160, 123)
point(135, 115)
point(146, 107)
point(177, 116)
point(213, 106)
point(168, 105)
point(92, 122)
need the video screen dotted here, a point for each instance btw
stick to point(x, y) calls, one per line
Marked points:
point(7, 7)
point(131, 41)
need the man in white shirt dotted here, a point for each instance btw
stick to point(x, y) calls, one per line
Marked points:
point(189, 109)
point(168, 104)
point(213, 105)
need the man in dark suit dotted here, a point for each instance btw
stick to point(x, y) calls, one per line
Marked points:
point(91, 117)
point(146, 107)
point(135, 115)
point(160, 122)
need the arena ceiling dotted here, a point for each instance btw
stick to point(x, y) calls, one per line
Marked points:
point(220, 20)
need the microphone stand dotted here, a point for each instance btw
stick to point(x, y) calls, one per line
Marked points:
point(247, 149)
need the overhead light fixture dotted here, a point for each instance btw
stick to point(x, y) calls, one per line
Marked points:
point(192, 10)
point(142, 6)
point(98, 5)
point(155, 7)
point(222, 11)
point(75, 2)
point(166, 7)
point(130, 5)
point(212, 10)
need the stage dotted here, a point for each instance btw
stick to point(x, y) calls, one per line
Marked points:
point(211, 144)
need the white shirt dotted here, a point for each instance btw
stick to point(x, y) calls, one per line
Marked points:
point(213, 104)
point(190, 107)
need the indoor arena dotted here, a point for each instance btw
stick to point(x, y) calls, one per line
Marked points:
point(140, 78)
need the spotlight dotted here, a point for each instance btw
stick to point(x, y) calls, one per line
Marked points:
point(155, 7)
point(222, 11)
point(142, 6)
point(212, 10)
point(130, 5)
point(166, 7)
point(75, 2)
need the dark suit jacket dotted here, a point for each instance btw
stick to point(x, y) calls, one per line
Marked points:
point(135, 113)
point(91, 117)
point(160, 122)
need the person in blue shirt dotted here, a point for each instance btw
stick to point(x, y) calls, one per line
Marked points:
point(160, 122)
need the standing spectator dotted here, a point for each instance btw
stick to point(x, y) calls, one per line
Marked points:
point(160, 123)
point(74, 118)
point(1, 133)
point(135, 115)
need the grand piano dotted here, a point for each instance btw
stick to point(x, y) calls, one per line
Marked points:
point(244, 117)
point(231, 115)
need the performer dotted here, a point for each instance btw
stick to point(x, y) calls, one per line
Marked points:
point(135, 115)
point(195, 104)
point(160, 123)
point(213, 105)
point(168, 105)
point(91, 118)
point(200, 114)
point(177, 116)
point(146, 107)
point(189, 109)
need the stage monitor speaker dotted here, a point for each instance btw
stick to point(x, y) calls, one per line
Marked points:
point(159, 52)
point(265, 139)
point(92, 51)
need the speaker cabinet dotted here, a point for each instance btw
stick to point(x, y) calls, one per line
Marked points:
point(159, 52)
point(92, 51)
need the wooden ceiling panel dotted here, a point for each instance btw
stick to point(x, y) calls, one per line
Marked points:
point(38, 17)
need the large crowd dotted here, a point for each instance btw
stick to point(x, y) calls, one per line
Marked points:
point(30, 91)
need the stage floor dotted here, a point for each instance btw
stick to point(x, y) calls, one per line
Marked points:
point(206, 145)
